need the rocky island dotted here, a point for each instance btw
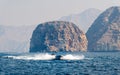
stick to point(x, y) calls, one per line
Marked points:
point(104, 34)
point(58, 36)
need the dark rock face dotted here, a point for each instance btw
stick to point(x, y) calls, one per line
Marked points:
point(58, 36)
point(104, 34)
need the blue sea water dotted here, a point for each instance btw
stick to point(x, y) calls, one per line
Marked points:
point(93, 63)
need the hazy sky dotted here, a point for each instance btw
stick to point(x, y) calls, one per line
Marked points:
point(30, 12)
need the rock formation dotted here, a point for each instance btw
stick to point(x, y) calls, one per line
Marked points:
point(104, 34)
point(58, 36)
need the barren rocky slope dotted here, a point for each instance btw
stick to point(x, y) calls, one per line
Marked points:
point(104, 34)
point(58, 36)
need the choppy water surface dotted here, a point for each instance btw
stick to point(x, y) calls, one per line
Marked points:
point(89, 63)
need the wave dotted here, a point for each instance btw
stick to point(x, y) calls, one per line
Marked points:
point(72, 57)
point(41, 56)
point(46, 56)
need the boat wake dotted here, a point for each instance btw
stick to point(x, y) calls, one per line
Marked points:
point(72, 57)
point(41, 56)
point(46, 56)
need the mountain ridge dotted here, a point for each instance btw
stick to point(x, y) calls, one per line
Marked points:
point(84, 19)
point(104, 32)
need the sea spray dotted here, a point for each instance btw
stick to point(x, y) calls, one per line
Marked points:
point(72, 57)
point(46, 56)
point(41, 56)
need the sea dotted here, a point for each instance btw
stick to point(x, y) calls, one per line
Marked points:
point(70, 63)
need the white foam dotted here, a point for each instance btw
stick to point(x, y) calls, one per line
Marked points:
point(45, 56)
point(72, 57)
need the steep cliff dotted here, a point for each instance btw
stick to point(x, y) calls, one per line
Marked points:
point(104, 34)
point(58, 36)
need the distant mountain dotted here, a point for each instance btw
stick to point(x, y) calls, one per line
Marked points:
point(58, 36)
point(15, 38)
point(83, 20)
point(104, 34)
